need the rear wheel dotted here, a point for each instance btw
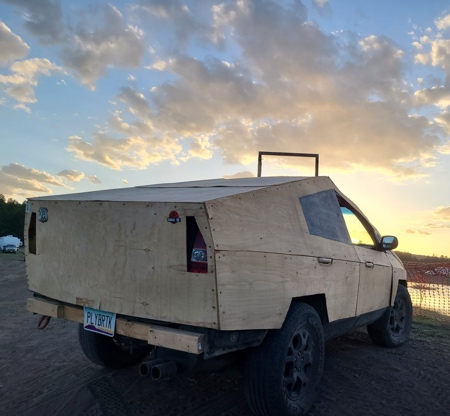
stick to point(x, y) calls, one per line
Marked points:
point(399, 323)
point(283, 374)
point(110, 352)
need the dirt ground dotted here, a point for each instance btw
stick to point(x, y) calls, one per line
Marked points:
point(45, 372)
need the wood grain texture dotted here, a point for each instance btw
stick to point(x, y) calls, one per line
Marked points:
point(375, 282)
point(124, 258)
point(272, 221)
point(256, 289)
point(399, 273)
point(176, 339)
point(46, 308)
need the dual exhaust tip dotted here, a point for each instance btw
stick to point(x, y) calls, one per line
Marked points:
point(158, 369)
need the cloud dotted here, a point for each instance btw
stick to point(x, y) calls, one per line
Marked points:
point(43, 19)
point(100, 40)
point(344, 100)
point(95, 38)
point(71, 175)
point(443, 119)
point(12, 47)
point(244, 174)
point(322, 6)
point(439, 226)
point(435, 51)
point(442, 213)
point(24, 173)
point(94, 179)
point(201, 147)
point(137, 104)
point(443, 22)
point(22, 107)
point(21, 182)
point(176, 21)
point(134, 152)
point(409, 231)
point(439, 96)
point(320, 3)
point(293, 88)
point(24, 78)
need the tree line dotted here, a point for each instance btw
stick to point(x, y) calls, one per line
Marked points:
point(12, 217)
point(420, 258)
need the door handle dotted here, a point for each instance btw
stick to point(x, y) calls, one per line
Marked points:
point(325, 260)
point(369, 264)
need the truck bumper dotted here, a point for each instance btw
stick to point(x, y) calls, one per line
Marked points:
point(157, 335)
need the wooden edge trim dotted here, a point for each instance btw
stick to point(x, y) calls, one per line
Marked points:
point(45, 307)
point(176, 339)
point(159, 336)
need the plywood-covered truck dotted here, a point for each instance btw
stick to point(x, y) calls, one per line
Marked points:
point(187, 273)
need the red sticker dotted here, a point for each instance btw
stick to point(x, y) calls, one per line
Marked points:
point(174, 217)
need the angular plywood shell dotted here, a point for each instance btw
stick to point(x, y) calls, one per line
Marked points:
point(115, 250)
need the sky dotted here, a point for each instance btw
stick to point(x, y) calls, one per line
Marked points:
point(102, 95)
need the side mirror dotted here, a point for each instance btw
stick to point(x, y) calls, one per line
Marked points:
point(388, 242)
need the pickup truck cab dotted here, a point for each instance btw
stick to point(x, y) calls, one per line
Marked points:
point(187, 273)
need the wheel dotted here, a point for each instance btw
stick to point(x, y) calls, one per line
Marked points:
point(107, 352)
point(399, 324)
point(283, 374)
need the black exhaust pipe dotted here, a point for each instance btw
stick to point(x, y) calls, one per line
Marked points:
point(158, 369)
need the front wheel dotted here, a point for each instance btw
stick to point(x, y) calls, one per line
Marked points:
point(283, 374)
point(399, 324)
point(109, 352)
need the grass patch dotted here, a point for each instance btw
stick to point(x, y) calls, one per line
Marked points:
point(432, 325)
point(19, 256)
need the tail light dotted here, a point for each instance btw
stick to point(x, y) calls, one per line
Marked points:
point(199, 257)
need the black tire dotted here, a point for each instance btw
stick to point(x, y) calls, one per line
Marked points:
point(399, 324)
point(105, 351)
point(275, 383)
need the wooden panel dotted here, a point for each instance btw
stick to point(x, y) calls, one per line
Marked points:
point(255, 289)
point(176, 339)
point(194, 191)
point(375, 282)
point(53, 309)
point(124, 258)
point(399, 273)
point(73, 314)
point(272, 221)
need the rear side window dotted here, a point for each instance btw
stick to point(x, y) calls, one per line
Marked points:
point(324, 217)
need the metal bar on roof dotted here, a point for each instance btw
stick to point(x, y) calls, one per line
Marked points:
point(261, 153)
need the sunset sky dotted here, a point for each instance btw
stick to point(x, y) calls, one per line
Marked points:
point(99, 95)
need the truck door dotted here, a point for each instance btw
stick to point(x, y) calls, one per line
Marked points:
point(375, 282)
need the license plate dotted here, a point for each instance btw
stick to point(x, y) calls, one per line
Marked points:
point(99, 321)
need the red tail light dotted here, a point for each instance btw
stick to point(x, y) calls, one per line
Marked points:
point(199, 256)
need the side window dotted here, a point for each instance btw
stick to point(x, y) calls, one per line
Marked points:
point(324, 217)
point(358, 233)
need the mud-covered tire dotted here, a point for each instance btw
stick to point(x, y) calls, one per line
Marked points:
point(283, 374)
point(399, 323)
point(106, 352)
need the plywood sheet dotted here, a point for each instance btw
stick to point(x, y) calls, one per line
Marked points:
point(255, 289)
point(271, 220)
point(195, 191)
point(124, 258)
